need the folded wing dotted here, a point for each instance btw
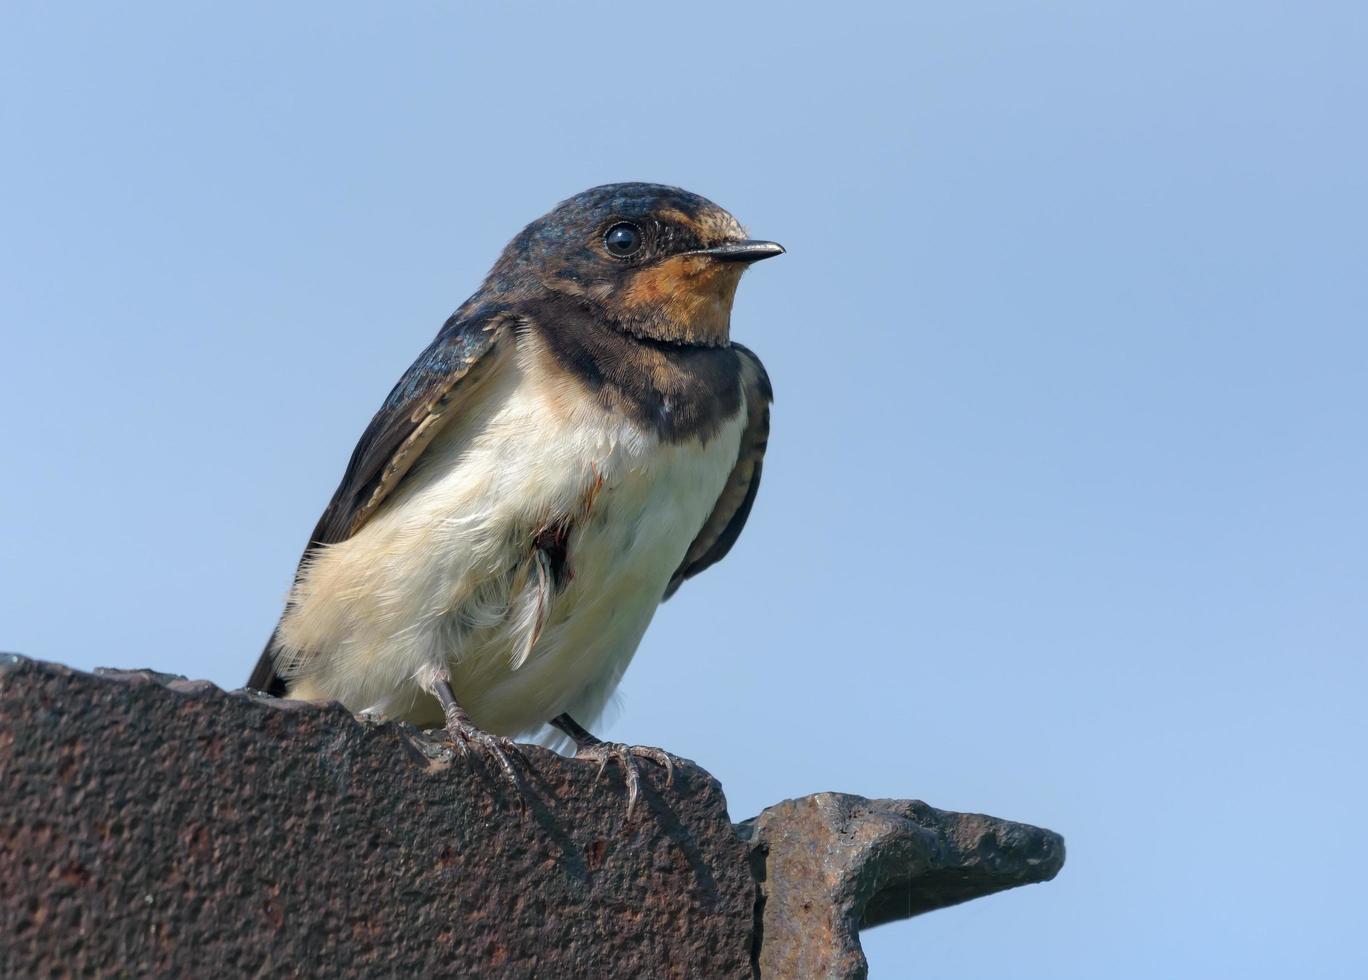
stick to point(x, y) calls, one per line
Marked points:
point(434, 390)
point(728, 517)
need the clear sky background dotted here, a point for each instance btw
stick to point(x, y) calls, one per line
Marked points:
point(1064, 512)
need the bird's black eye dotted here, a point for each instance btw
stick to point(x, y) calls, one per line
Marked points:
point(623, 240)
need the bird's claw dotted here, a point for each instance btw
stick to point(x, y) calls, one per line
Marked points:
point(467, 739)
point(626, 756)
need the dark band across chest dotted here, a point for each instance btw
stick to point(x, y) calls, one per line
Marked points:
point(679, 392)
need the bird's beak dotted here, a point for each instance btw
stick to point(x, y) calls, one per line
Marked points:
point(748, 251)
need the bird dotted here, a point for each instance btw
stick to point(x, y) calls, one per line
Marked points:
point(581, 437)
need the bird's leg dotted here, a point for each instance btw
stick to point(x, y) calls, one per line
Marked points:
point(596, 750)
point(463, 733)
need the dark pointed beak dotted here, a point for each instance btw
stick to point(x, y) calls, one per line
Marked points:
point(751, 251)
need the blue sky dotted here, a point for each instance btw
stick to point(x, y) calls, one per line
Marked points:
point(1063, 516)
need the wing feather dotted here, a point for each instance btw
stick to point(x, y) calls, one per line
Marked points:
point(432, 391)
point(728, 516)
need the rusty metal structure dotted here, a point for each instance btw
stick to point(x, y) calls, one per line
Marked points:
point(154, 825)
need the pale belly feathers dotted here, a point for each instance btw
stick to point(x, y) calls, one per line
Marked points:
point(443, 575)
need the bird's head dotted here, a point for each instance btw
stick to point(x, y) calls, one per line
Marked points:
point(652, 261)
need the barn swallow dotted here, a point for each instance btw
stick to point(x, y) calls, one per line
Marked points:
point(581, 437)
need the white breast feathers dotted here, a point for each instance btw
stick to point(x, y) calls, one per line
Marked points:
point(525, 553)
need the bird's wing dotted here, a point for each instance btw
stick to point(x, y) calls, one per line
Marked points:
point(434, 390)
point(728, 516)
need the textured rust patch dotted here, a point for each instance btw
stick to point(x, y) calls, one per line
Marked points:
point(831, 864)
point(151, 825)
point(191, 832)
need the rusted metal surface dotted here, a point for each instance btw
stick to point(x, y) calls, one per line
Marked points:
point(150, 825)
point(831, 864)
point(153, 825)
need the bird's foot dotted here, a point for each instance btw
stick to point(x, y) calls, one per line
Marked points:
point(470, 740)
point(626, 756)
